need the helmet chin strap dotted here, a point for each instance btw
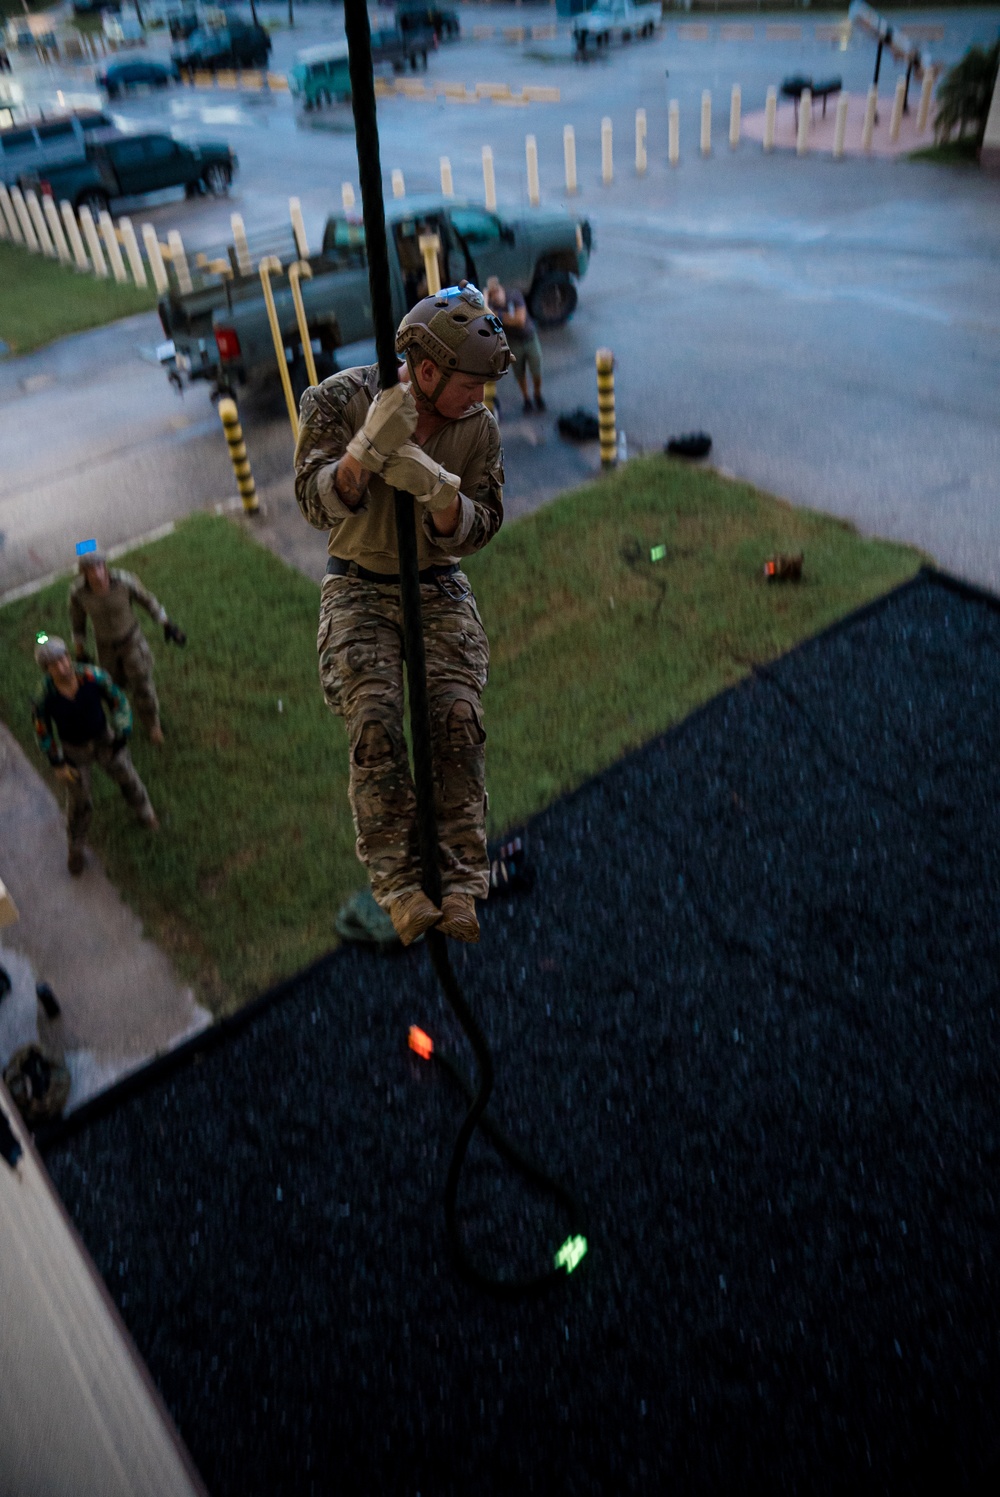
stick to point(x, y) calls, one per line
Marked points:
point(421, 395)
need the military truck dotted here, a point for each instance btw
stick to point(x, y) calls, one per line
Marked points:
point(219, 331)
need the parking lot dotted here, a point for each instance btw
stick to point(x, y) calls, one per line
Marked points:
point(832, 324)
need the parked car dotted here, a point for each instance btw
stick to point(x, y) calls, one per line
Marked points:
point(126, 166)
point(238, 44)
point(321, 75)
point(30, 145)
point(401, 50)
point(616, 18)
point(219, 331)
point(118, 77)
point(411, 15)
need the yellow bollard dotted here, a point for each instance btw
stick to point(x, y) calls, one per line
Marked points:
point(569, 156)
point(230, 418)
point(926, 90)
point(640, 141)
point(531, 157)
point(735, 113)
point(897, 110)
point(840, 127)
point(347, 196)
point(606, 407)
point(489, 180)
point(295, 272)
point(430, 247)
point(770, 111)
point(240, 245)
point(706, 122)
point(607, 156)
point(490, 396)
point(805, 122)
point(154, 255)
point(271, 264)
point(447, 185)
point(398, 183)
point(298, 228)
point(674, 133)
point(868, 128)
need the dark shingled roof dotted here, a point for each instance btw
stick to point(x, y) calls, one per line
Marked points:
point(749, 1013)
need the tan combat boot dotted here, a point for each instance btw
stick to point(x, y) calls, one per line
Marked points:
point(458, 917)
point(412, 914)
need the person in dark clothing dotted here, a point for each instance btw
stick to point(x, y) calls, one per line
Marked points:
point(73, 732)
point(522, 338)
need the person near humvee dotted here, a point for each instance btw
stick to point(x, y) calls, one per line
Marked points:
point(73, 732)
point(106, 597)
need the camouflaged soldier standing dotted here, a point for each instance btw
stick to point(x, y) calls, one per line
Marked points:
point(354, 449)
point(107, 597)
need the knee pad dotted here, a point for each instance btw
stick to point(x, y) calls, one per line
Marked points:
point(463, 726)
point(373, 745)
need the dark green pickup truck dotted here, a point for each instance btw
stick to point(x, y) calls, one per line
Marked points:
point(112, 166)
point(220, 331)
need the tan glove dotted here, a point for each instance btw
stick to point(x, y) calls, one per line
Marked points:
point(411, 470)
point(391, 419)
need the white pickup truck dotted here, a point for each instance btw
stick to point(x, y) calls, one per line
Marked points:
point(616, 18)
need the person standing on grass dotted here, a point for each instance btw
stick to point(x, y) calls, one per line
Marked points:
point(107, 597)
point(431, 437)
point(73, 733)
point(522, 336)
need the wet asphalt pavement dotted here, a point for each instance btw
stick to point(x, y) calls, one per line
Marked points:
point(748, 1013)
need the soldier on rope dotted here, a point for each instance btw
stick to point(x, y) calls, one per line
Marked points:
point(431, 437)
point(106, 597)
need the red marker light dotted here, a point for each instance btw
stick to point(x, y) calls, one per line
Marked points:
point(769, 569)
point(421, 1042)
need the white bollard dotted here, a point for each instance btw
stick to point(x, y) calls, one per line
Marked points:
point(447, 185)
point(674, 133)
point(156, 266)
point(840, 126)
point(569, 156)
point(45, 244)
point(114, 250)
point(607, 157)
point(94, 250)
point(132, 251)
point(56, 230)
point(73, 235)
point(926, 92)
point(735, 111)
point(770, 111)
point(178, 260)
point(489, 180)
point(868, 128)
point(897, 110)
point(398, 183)
point(244, 264)
point(10, 217)
point(640, 142)
point(298, 228)
point(805, 121)
point(347, 196)
point(24, 219)
point(531, 157)
point(706, 122)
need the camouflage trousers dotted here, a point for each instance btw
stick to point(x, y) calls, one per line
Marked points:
point(360, 647)
point(118, 767)
point(129, 663)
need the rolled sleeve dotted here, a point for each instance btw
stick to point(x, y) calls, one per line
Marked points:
point(333, 505)
point(330, 415)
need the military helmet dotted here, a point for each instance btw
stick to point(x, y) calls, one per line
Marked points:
point(92, 558)
point(457, 330)
point(48, 647)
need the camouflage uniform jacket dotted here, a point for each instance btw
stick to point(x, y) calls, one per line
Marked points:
point(111, 612)
point(80, 719)
point(331, 414)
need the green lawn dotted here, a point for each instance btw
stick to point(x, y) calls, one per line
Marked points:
point(595, 649)
point(964, 152)
point(43, 300)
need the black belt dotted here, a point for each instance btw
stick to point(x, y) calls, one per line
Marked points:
point(337, 567)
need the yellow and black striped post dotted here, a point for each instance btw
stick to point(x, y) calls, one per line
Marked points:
point(230, 418)
point(606, 407)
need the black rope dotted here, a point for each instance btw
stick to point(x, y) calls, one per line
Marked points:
point(370, 176)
